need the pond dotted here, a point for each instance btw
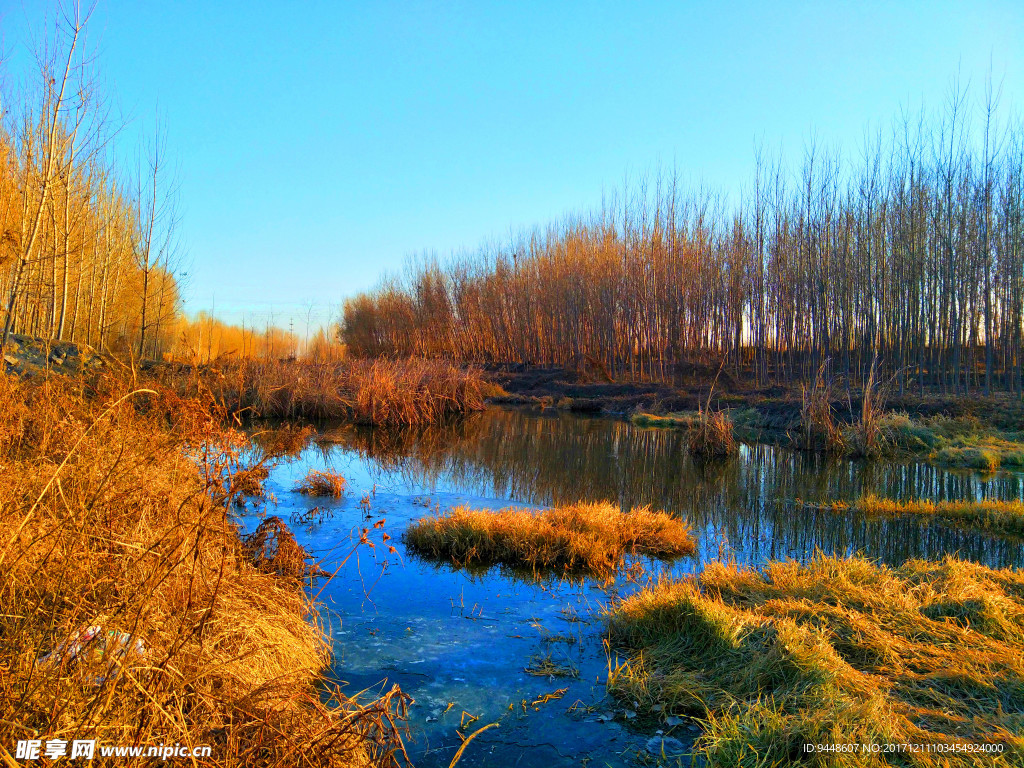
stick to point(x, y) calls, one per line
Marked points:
point(469, 647)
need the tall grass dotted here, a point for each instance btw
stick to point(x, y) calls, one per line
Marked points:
point(579, 538)
point(838, 651)
point(712, 436)
point(384, 392)
point(869, 434)
point(818, 427)
point(114, 514)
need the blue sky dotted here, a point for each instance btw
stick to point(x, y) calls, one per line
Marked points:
point(320, 143)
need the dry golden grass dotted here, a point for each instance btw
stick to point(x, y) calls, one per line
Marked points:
point(837, 651)
point(114, 514)
point(582, 538)
point(819, 430)
point(987, 515)
point(272, 548)
point(326, 483)
point(385, 392)
point(712, 435)
point(672, 420)
point(868, 437)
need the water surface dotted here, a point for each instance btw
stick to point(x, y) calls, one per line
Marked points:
point(460, 643)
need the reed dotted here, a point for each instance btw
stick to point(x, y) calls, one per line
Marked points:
point(114, 515)
point(834, 651)
point(868, 435)
point(581, 538)
point(819, 430)
point(406, 392)
point(326, 483)
point(712, 436)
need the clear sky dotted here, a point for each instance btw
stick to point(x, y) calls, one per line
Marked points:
point(320, 143)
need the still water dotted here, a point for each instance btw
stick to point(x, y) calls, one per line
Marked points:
point(461, 644)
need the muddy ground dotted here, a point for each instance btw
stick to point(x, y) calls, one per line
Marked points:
point(778, 406)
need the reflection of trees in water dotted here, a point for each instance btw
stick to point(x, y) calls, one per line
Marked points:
point(747, 500)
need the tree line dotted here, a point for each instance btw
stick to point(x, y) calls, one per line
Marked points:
point(87, 248)
point(205, 339)
point(907, 257)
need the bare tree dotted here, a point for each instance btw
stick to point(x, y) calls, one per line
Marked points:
point(46, 138)
point(157, 247)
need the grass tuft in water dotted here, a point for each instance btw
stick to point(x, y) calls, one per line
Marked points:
point(579, 538)
point(674, 420)
point(546, 666)
point(712, 436)
point(326, 483)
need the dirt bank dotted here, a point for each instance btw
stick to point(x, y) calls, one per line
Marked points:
point(778, 407)
point(27, 355)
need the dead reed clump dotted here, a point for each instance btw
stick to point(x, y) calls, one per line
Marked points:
point(272, 548)
point(591, 539)
point(712, 437)
point(407, 392)
point(412, 391)
point(249, 483)
point(819, 430)
point(325, 483)
point(132, 612)
point(834, 651)
point(868, 435)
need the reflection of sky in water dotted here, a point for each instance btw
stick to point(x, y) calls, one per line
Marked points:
point(447, 637)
